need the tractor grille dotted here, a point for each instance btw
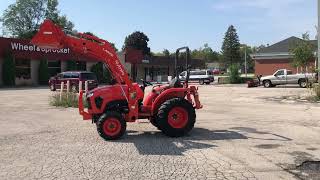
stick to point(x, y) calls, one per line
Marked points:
point(98, 101)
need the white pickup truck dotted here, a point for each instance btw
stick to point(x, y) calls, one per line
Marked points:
point(284, 76)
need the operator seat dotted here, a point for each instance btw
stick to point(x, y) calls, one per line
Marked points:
point(175, 83)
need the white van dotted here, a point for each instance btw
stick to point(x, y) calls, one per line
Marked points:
point(202, 76)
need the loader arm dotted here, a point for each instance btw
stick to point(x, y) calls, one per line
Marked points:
point(52, 36)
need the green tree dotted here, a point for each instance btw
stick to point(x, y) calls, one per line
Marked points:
point(250, 62)
point(8, 70)
point(166, 53)
point(231, 47)
point(206, 53)
point(43, 72)
point(22, 18)
point(137, 40)
point(302, 52)
point(103, 75)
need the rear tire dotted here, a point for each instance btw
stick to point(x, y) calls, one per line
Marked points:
point(207, 83)
point(154, 122)
point(176, 117)
point(111, 125)
point(201, 82)
point(303, 83)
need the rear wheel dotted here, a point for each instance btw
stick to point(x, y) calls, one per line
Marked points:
point(176, 117)
point(111, 125)
point(207, 83)
point(303, 83)
point(201, 82)
point(154, 122)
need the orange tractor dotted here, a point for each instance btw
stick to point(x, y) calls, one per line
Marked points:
point(171, 108)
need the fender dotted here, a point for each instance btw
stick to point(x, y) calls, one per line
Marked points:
point(168, 94)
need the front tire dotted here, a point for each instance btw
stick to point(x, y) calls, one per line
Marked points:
point(111, 125)
point(52, 87)
point(201, 82)
point(74, 88)
point(176, 117)
point(267, 84)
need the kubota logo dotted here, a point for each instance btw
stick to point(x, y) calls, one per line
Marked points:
point(119, 66)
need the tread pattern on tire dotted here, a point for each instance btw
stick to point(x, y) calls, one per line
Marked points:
point(163, 117)
point(114, 115)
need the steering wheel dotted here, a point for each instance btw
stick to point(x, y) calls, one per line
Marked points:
point(146, 83)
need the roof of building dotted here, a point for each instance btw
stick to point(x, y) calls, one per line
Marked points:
point(285, 45)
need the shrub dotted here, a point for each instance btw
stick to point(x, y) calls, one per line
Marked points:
point(9, 70)
point(43, 72)
point(234, 75)
point(316, 90)
point(67, 100)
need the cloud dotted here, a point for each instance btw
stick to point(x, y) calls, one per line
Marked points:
point(280, 16)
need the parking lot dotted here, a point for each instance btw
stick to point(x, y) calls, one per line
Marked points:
point(240, 133)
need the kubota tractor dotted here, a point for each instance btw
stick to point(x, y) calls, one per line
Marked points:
point(171, 108)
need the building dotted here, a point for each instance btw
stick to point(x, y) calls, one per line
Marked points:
point(278, 56)
point(158, 68)
point(27, 59)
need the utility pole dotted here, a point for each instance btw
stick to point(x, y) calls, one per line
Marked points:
point(245, 59)
point(318, 40)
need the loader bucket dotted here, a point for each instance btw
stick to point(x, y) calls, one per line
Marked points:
point(49, 36)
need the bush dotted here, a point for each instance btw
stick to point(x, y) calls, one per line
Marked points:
point(8, 71)
point(67, 100)
point(234, 75)
point(43, 72)
point(316, 90)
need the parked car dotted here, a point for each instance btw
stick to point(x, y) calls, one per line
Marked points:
point(202, 76)
point(284, 76)
point(74, 77)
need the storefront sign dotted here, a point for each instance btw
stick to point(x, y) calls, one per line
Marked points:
point(32, 48)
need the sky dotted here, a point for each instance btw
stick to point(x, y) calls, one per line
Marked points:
point(170, 24)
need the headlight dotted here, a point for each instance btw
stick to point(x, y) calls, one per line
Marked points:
point(90, 94)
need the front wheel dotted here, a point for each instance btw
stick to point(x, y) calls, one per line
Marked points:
point(176, 117)
point(74, 88)
point(201, 82)
point(267, 84)
point(111, 125)
point(52, 87)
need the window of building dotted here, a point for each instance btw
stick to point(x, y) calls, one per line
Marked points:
point(23, 68)
point(54, 67)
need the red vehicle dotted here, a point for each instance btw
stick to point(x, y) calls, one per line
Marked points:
point(171, 108)
point(216, 71)
point(74, 77)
